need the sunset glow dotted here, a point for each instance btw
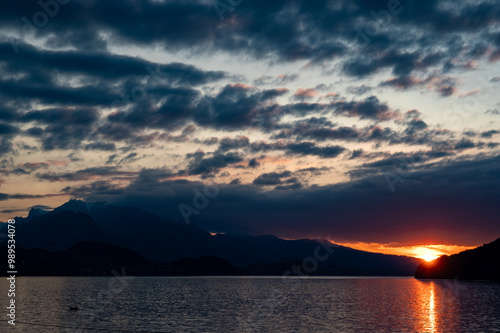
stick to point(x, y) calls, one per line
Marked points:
point(426, 252)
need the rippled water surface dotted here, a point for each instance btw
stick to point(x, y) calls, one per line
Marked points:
point(212, 304)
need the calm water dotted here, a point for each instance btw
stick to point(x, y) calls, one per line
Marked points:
point(161, 304)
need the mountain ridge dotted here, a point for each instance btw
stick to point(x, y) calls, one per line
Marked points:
point(160, 240)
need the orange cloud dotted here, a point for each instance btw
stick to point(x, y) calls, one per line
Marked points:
point(306, 92)
point(241, 85)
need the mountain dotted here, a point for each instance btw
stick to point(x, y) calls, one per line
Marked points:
point(128, 227)
point(57, 230)
point(159, 240)
point(90, 258)
point(482, 263)
point(34, 212)
point(270, 249)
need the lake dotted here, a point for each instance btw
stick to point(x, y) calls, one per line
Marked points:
point(252, 304)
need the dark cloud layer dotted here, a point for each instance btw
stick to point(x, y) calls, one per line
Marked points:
point(432, 205)
point(201, 165)
point(168, 96)
point(297, 148)
point(85, 174)
point(321, 31)
point(102, 65)
point(318, 32)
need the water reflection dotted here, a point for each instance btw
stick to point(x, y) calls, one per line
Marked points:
point(441, 304)
point(262, 304)
point(432, 308)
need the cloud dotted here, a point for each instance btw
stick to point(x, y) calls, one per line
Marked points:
point(101, 186)
point(21, 196)
point(132, 157)
point(305, 93)
point(444, 85)
point(464, 144)
point(300, 148)
point(356, 153)
point(370, 108)
point(446, 209)
point(86, 174)
point(309, 148)
point(100, 146)
point(318, 34)
point(201, 165)
point(62, 116)
point(415, 125)
point(253, 163)
point(103, 65)
point(45, 92)
point(65, 128)
point(489, 134)
point(235, 106)
point(8, 132)
point(319, 129)
point(359, 90)
point(228, 143)
point(280, 180)
point(493, 112)
point(276, 80)
point(7, 114)
point(271, 178)
point(402, 63)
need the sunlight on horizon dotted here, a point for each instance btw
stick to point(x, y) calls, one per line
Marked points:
point(425, 252)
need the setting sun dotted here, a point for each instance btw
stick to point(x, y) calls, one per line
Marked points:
point(426, 253)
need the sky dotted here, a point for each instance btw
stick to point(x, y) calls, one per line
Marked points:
point(374, 124)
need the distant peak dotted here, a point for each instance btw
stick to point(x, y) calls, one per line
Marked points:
point(34, 212)
point(77, 206)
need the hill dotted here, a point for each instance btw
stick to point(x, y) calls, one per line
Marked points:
point(482, 263)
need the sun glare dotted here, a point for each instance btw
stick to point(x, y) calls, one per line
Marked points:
point(426, 253)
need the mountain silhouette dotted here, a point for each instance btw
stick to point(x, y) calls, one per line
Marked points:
point(158, 240)
point(89, 258)
point(57, 230)
point(482, 263)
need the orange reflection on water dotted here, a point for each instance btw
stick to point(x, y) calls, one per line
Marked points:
point(432, 308)
point(439, 306)
point(425, 305)
point(397, 305)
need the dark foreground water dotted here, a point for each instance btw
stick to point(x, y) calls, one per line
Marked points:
point(213, 304)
